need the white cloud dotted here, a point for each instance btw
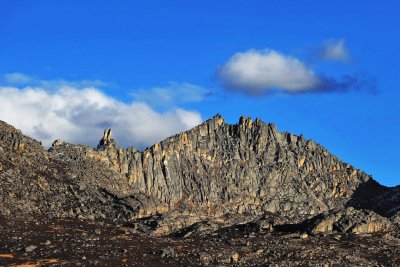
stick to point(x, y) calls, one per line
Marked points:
point(256, 71)
point(80, 115)
point(334, 50)
point(173, 94)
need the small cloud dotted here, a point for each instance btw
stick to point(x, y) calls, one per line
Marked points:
point(173, 94)
point(257, 72)
point(348, 82)
point(334, 50)
point(51, 84)
point(17, 78)
point(79, 115)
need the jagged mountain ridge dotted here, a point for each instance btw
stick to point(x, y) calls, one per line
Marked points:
point(212, 171)
point(240, 168)
point(248, 193)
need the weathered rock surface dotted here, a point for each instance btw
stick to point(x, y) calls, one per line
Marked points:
point(349, 220)
point(216, 176)
point(245, 168)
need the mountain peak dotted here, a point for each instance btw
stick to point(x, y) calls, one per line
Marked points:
point(216, 118)
point(214, 175)
point(219, 168)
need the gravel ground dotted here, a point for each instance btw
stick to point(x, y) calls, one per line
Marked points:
point(73, 242)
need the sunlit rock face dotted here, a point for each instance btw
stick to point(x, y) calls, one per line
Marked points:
point(249, 167)
point(217, 172)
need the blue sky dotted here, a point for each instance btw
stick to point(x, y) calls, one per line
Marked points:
point(325, 69)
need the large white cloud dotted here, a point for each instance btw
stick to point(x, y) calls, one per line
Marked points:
point(255, 71)
point(80, 115)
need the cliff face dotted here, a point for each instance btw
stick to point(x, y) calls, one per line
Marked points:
point(211, 171)
point(248, 167)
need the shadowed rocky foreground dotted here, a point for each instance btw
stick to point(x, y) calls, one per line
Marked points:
point(74, 242)
point(218, 194)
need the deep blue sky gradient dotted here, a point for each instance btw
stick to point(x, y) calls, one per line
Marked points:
point(135, 45)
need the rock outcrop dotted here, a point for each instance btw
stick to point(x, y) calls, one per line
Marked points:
point(245, 168)
point(222, 194)
point(349, 220)
point(215, 170)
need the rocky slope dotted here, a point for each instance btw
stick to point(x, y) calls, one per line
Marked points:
point(209, 178)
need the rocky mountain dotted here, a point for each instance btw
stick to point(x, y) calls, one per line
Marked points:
point(212, 177)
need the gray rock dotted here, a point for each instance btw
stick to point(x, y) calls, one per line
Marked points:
point(214, 175)
point(30, 248)
point(349, 221)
